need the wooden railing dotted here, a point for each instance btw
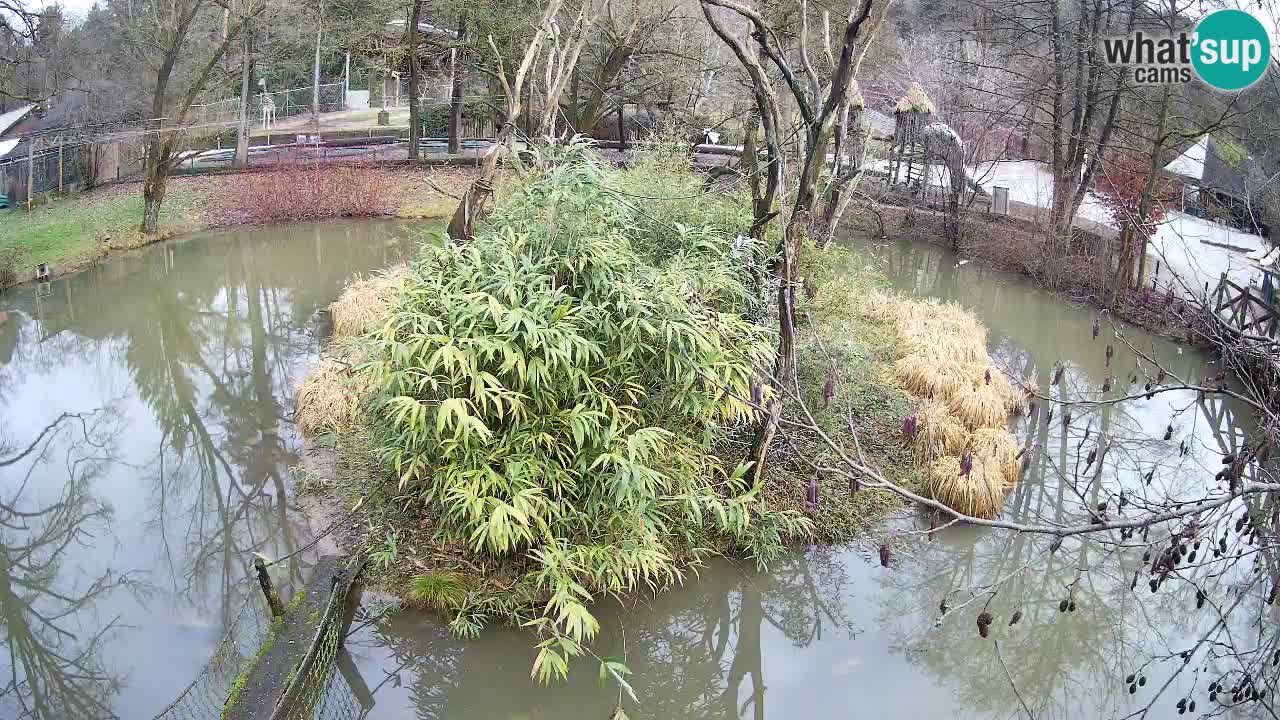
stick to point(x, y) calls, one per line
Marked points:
point(1246, 312)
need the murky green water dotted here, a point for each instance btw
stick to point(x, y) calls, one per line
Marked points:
point(128, 528)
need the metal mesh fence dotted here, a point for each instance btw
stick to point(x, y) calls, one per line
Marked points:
point(207, 695)
point(320, 684)
point(278, 104)
point(47, 170)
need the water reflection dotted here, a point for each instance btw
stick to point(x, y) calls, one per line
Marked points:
point(193, 348)
point(51, 668)
point(701, 651)
point(1157, 450)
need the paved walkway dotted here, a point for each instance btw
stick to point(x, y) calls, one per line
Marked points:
point(343, 120)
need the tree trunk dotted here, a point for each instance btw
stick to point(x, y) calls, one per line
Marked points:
point(455, 95)
point(575, 100)
point(246, 85)
point(315, 90)
point(595, 109)
point(785, 363)
point(415, 109)
point(751, 166)
point(153, 189)
point(1148, 190)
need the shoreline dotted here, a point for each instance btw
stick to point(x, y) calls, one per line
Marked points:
point(1148, 310)
point(190, 208)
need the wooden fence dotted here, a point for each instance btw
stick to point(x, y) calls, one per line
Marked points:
point(1249, 311)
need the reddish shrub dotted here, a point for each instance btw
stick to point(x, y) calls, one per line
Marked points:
point(310, 192)
point(1120, 185)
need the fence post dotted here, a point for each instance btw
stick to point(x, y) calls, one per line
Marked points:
point(31, 169)
point(60, 188)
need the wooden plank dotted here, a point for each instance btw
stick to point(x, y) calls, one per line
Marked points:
point(1232, 285)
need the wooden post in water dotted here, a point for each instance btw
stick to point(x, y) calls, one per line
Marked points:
point(264, 580)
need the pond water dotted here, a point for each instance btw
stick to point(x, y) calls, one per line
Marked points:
point(145, 448)
point(830, 633)
point(125, 532)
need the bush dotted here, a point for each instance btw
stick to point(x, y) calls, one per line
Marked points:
point(554, 392)
point(311, 191)
point(12, 260)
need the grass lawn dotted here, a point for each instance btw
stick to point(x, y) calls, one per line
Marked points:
point(70, 232)
point(74, 232)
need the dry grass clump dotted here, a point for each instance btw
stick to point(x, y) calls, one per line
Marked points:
point(982, 406)
point(330, 395)
point(944, 360)
point(915, 101)
point(364, 303)
point(925, 378)
point(1001, 448)
point(938, 432)
point(979, 493)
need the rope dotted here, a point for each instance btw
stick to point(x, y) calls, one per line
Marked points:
point(323, 533)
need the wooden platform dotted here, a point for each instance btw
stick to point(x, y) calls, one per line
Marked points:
point(1246, 311)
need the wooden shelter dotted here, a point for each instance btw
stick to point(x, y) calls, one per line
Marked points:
point(908, 159)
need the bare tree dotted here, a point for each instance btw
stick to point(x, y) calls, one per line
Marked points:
point(820, 103)
point(182, 43)
point(474, 204)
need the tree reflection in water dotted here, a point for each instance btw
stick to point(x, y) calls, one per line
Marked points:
point(1071, 663)
point(52, 668)
point(199, 343)
point(696, 652)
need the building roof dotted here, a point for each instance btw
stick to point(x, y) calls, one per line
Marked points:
point(13, 117)
point(7, 146)
point(1205, 164)
point(1190, 164)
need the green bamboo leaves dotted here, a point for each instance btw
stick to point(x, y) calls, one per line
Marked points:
point(555, 390)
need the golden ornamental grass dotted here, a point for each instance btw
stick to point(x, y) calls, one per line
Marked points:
point(980, 493)
point(981, 406)
point(938, 432)
point(329, 398)
point(362, 307)
point(926, 378)
point(1000, 448)
point(968, 401)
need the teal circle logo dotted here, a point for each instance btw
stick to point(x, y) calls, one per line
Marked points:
point(1231, 49)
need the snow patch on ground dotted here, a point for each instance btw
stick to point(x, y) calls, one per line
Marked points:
point(1185, 245)
point(1182, 245)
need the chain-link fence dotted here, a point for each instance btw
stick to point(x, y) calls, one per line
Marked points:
point(270, 106)
point(206, 697)
point(34, 169)
point(290, 667)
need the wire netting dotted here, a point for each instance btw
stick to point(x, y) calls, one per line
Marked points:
point(311, 689)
